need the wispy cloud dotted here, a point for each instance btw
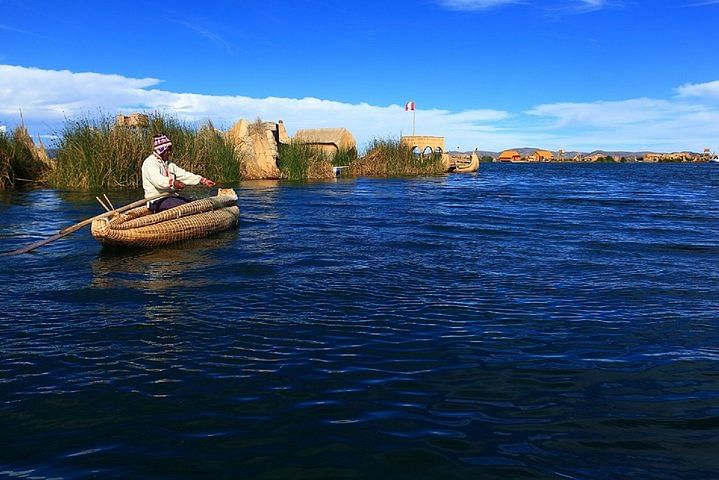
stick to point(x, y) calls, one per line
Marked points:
point(687, 120)
point(473, 5)
point(217, 40)
point(555, 8)
point(8, 28)
point(586, 6)
point(604, 114)
point(593, 4)
point(559, 10)
point(704, 4)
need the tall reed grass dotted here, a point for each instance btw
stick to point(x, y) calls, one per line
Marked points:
point(18, 159)
point(299, 161)
point(97, 154)
point(389, 158)
point(344, 157)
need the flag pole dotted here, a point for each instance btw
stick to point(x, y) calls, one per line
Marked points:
point(413, 120)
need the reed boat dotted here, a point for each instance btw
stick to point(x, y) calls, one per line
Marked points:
point(140, 227)
point(464, 165)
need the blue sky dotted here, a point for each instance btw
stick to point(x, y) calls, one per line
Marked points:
point(491, 74)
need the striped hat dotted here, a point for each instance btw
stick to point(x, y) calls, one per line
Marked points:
point(160, 143)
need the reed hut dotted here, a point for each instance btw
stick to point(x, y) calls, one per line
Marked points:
point(328, 140)
point(510, 156)
point(541, 156)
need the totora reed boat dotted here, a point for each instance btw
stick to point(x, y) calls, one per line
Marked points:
point(141, 228)
point(463, 165)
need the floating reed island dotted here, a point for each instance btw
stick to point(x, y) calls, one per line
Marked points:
point(107, 153)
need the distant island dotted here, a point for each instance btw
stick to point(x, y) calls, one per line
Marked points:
point(527, 154)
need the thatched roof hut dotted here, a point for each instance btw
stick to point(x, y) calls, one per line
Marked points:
point(330, 140)
point(509, 156)
point(541, 156)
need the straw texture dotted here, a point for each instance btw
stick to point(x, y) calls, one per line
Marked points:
point(192, 208)
point(140, 228)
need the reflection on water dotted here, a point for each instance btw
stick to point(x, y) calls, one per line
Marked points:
point(174, 266)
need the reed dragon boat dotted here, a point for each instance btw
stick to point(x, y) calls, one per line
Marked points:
point(464, 165)
point(140, 227)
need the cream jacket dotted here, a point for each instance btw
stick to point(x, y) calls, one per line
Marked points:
point(157, 176)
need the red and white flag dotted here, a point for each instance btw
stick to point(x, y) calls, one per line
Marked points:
point(409, 106)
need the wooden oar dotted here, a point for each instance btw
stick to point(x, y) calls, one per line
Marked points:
point(78, 226)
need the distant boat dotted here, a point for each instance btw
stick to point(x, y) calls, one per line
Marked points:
point(465, 165)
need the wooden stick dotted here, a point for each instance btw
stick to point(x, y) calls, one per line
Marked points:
point(79, 225)
point(107, 209)
point(108, 201)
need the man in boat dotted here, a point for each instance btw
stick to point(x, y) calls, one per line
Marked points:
point(161, 175)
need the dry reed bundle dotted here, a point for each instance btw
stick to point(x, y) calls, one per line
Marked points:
point(20, 160)
point(198, 206)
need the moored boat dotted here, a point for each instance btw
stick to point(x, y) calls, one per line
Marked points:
point(140, 227)
point(464, 165)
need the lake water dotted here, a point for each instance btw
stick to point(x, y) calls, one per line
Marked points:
point(529, 321)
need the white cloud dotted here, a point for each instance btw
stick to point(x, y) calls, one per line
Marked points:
point(47, 97)
point(607, 114)
point(707, 90)
point(688, 121)
point(642, 123)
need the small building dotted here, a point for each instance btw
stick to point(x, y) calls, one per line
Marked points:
point(329, 140)
point(134, 120)
point(423, 144)
point(509, 156)
point(541, 156)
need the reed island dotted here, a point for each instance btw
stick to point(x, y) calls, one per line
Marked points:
point(106, 153)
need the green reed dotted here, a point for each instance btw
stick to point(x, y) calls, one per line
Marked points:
point(300, 161)
point(344, 157)
point(96, 153)
point(389, 158)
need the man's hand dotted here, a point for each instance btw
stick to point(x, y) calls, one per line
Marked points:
point(207, 182)
point(177, 185)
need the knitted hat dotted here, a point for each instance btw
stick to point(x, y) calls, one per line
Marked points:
point(160, 143)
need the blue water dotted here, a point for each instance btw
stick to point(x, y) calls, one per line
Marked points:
point(529, 321)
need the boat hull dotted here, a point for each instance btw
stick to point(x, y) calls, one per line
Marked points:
point(470, 166)
point(141, 228)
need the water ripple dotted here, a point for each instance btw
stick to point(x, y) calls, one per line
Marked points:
point(531, 321)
